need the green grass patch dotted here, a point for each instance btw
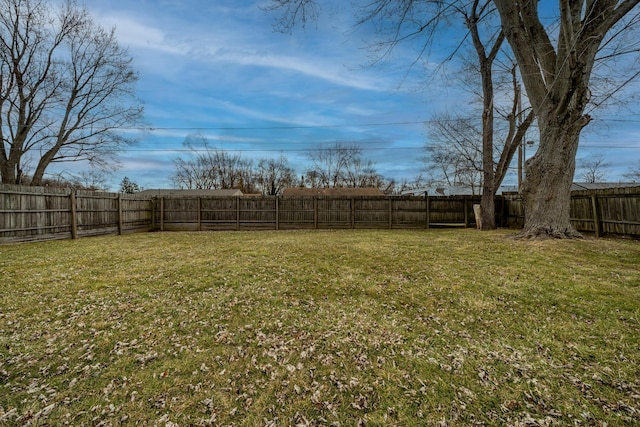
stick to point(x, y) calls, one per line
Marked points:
point(435, 327)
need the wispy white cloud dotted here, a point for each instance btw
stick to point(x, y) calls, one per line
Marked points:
point(230, 43)
point(135, 34)
point(300, 118)
point(324, 69)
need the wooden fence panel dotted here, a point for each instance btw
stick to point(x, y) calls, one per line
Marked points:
point(410, 212)
point(257, 213)
point(181, 213)
point(297, 213)
point(96, 213)
point(334, 212)
point(219, 213)
point(370, 213)
point(620, 214)
point(136, 213)
point(34, 213)
point(582, 213)
point(40, 213)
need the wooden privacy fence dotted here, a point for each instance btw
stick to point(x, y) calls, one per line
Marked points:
point(606, 211)
point(38, 213)
point(290, 213)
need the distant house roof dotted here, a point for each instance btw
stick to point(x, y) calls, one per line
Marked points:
point(301, 192)
point(192, 193)
point(444, 190)
point(579, 186)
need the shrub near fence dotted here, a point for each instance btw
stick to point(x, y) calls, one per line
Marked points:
point(40, 213)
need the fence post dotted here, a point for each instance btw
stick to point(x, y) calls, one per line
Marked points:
point(466, 212)
point(277, 213)
point(161, 213)
point(199, 213)
point(237, 213)
point(596, 214)
point(315, 212)
point(74, 215)
point(154, 201)
point(427, 212)
point(390, 212)
point(119, 214)
point(353, 213)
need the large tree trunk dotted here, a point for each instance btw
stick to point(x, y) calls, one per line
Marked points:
point(556, 78)
point(488, 210)
point(8, 173)
point(546, 190)
point(9, 168)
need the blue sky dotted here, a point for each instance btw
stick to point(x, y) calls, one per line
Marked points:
point(217, 68)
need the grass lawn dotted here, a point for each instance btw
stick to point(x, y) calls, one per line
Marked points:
point(408, 328)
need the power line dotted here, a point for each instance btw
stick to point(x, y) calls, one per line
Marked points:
point(306, 150)
point(296, 127)
point(233, 128)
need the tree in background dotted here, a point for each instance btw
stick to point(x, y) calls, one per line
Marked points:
point(454, 151)
point(342, 165)
point(67, 88)
point(633, 174)
point(274, 175)
point(594, 168)
point(128, 187)
point(496, 155)
point(93, 179)
point(211, 168)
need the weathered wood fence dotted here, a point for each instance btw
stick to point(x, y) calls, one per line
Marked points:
point(289, 213)
point(607, 211)
point(36, 213)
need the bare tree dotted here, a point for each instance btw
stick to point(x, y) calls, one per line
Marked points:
point(93, 180)
point(211, 168)
point(633, 174)
point(487, 50)
point(408, 185)
point(329, 165)
point(594, 168)
point(274, 175)
point(454, 151)
point(67, 88)
point(342, 165)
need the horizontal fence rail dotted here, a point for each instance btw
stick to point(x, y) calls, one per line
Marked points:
point(37, 213)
